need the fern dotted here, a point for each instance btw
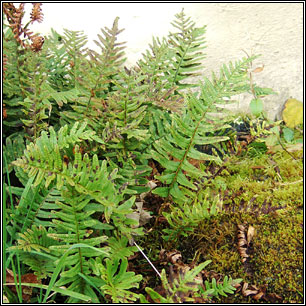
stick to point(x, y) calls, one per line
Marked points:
point(127, 109)
point(12, 150)
point(91, 130)
point(33, 249)
point(215, 289)
point(94, 77)
point(44, 157)
point(184, 219)
point(73, 226)
point(13, 91)
point(59, 63)
point(75, 42)
point(34, 206)
point(117, 280)
point(196, 127)
point(34, 238)
point(172, 60)
point(179, 287)
point(187, 44)
point(154, 63)
point(72, 216)
point(186, 286)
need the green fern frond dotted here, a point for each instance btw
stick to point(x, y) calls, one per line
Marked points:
point(176, 151)
point(12, 150)
point(58, 64)
point(185, 218)
point(35, 205)
point(263, 91)
point(44, 157)
point(216, 289)
point(154, 66)
point(41, 264)
point(196, 126)
point(73, 224)
point(131, 176)
point(12, 90)
point(233, 79)
point(178, 287)
point(112, 51)
point(187, 44)
point(118, 281)
point(127, 107)
point(94, 79)
point(154, 63)
point(75, 42)
point(119, 248)
point(43, 161)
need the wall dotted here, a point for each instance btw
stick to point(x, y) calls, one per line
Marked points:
point(274, 30)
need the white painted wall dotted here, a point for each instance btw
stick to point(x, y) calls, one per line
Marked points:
point(274, 30)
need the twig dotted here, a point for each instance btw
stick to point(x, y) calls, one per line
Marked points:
point(290, 183)
point(144, 255)
point(285, 149)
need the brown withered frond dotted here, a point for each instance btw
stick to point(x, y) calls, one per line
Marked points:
point(37, 43)
point(14, 17)
point(36, 14)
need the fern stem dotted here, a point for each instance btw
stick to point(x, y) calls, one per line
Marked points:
point(179, 65)
point(18, 61)
point(92, 93)
point(187, 150)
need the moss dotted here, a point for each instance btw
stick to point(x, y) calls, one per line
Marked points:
point(267, 193)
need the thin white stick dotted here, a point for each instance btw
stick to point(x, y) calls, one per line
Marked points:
point(144, 255)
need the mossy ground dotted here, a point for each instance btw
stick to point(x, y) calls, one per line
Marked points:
point(266, 192)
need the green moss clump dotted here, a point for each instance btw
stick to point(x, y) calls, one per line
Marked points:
point(267, 193)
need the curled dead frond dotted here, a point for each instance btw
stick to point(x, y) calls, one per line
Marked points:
point(242, 243)
point(36, 14)
point(14, 17)
point(37, 43)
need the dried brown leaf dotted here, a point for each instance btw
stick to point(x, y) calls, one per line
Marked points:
point(258, 296)
point(247, 292)
point(250, 234)
point(26, 278)
point(141, 216)
point(258, 69)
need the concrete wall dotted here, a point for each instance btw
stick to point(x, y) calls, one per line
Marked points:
point(274, 30)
